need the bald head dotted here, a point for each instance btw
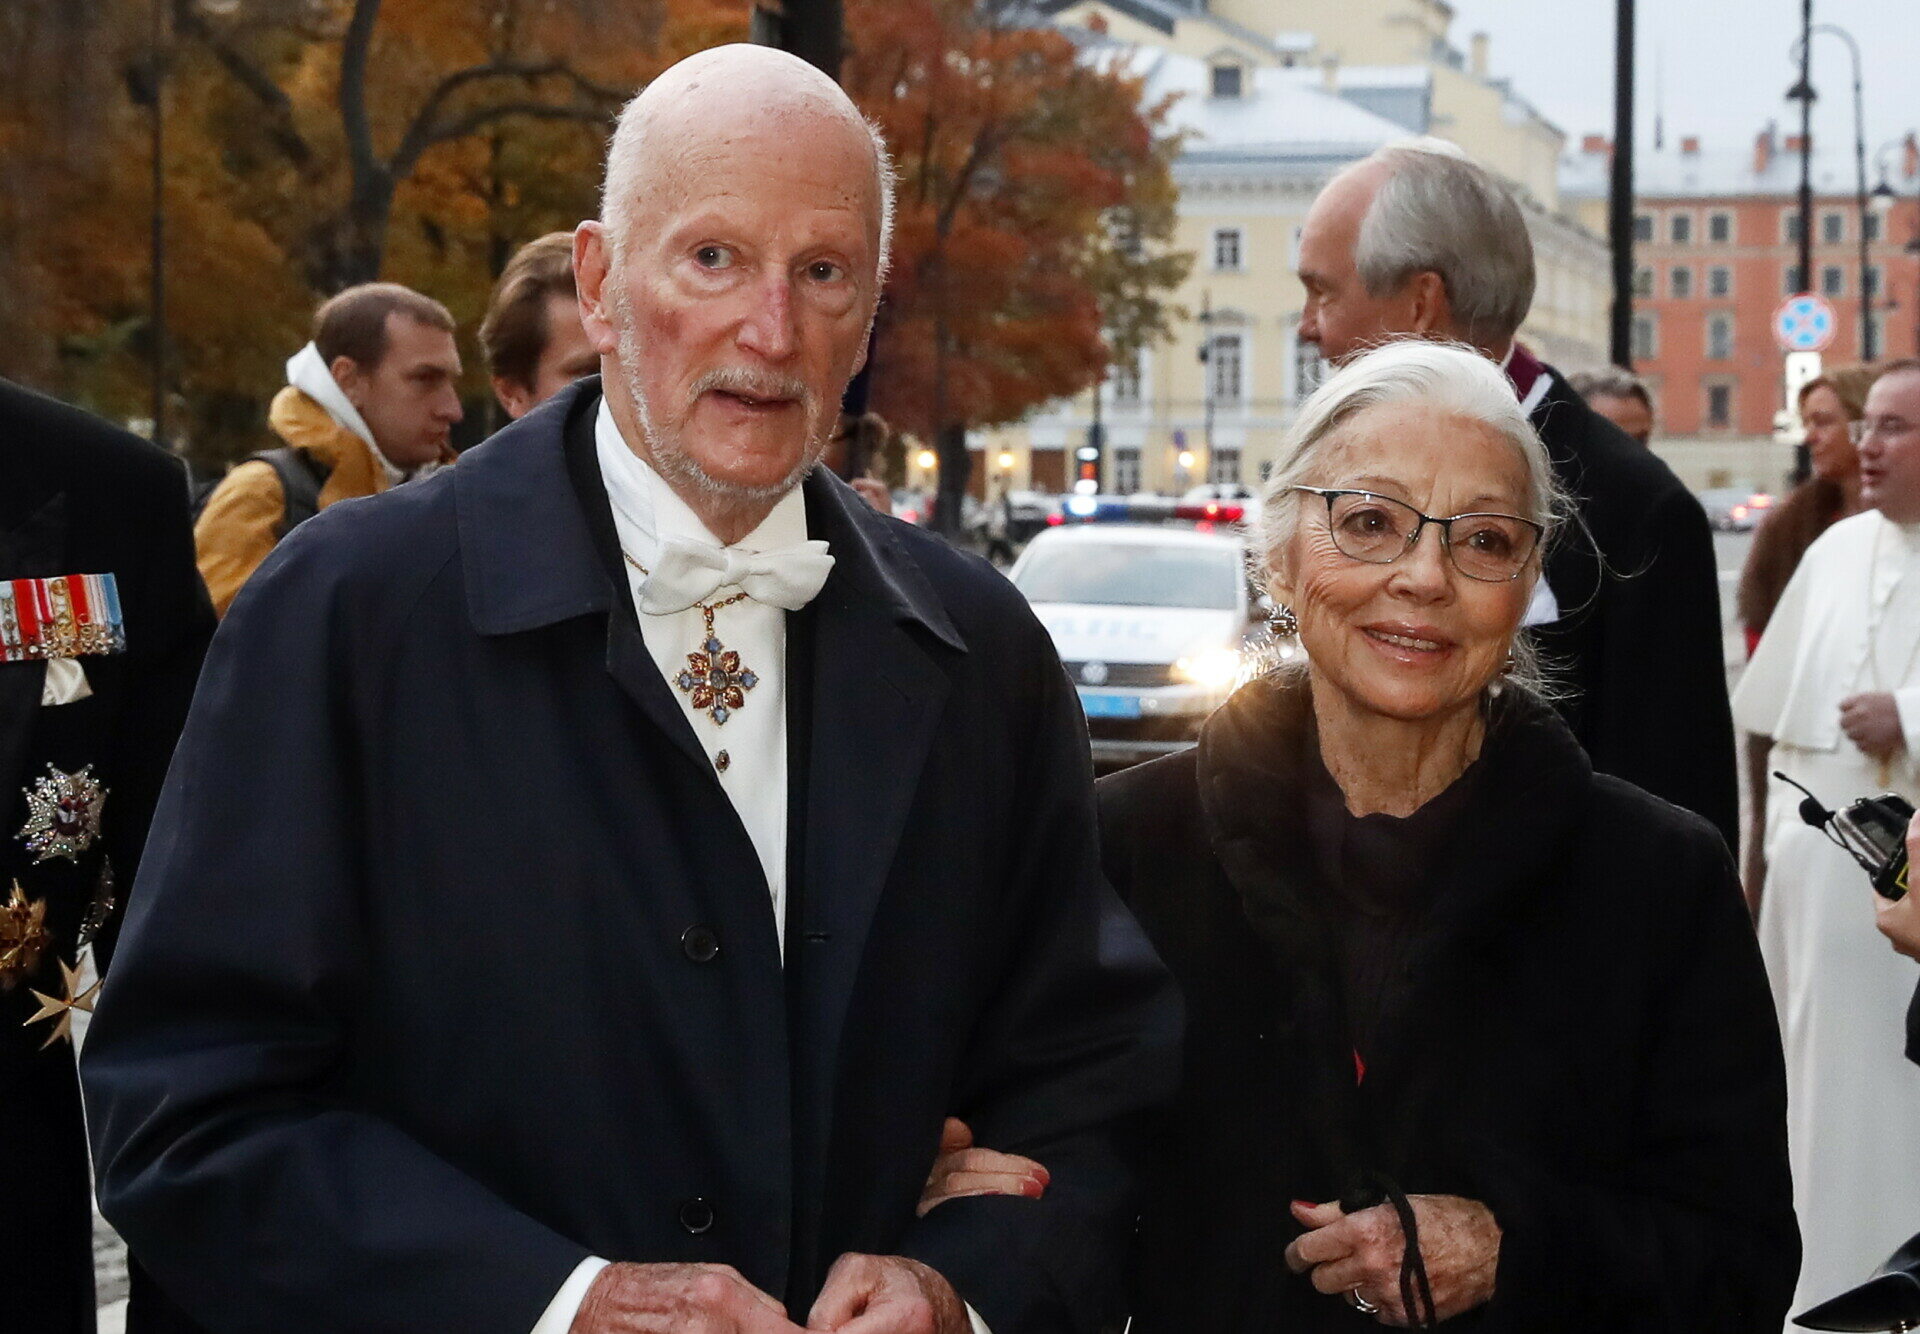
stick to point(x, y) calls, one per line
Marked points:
point(701, 113)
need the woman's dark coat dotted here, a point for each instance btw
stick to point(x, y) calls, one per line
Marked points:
point(1586, 1042)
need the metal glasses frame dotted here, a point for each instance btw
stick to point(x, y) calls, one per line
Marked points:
point(1445, 525)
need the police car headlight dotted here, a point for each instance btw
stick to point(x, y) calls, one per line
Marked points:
point(1216, 669)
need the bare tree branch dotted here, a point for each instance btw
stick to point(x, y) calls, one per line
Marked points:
point(355, 51)
point(283, 128)
point(462, 126)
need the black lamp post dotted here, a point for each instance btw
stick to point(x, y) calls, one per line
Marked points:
point(1620, 192)
point(1803, 92)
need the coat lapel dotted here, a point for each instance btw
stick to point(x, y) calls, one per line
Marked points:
point(34, 549)
point(878, 697)
point(537, 537)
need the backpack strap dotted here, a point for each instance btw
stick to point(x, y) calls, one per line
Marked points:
point(301, 477)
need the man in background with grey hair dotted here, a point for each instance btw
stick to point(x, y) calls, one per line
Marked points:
point(1620, 396)
point(592, 874)
point(1418, 241)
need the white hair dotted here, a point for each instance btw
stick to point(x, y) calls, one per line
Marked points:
point(1451, 377)
point(626, 157)
point(1440, 212)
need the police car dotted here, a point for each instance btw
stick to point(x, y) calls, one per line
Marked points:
point(1150, 622)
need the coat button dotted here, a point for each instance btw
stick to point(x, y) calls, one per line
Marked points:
point(696, 1215)
point(700, 944)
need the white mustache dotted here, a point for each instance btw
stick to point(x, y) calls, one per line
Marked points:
point(754, 384)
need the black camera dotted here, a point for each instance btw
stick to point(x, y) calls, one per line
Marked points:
point(1873, 831)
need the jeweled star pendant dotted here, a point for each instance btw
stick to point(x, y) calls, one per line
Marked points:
point(61, 1010)
point(63, 814)
point(716, 679)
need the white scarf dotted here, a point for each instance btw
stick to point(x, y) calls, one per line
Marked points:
point(307, 371)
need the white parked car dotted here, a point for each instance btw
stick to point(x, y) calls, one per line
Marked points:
point(1151, 624)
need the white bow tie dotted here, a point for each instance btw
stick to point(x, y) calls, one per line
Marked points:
point(685, 574)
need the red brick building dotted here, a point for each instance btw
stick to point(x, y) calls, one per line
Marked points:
point(1717, 251)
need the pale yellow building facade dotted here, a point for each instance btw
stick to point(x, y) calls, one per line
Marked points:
point(1277, 96)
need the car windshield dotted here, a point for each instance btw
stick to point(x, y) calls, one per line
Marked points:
point(1133, 574)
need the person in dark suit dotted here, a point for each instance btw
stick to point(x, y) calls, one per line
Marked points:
point(1418, 241)
point(103, 622)
point(1477, 1036)
point(592, 873)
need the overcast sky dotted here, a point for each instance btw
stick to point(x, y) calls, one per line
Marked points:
point(1725, 63)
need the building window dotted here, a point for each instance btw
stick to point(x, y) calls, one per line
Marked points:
point(1125, 477)
point(1223, 467)
point(1720, 228)
point(1833, 281)
point(1719, 281)
point(1790, 226)
point(1228, 80)
point(1643, 283)
point(1309, 369)
point(1643, 228)
point(1833, 228)
point(1872, 226)
point(1720, 405)
point(1680, 228)
point(1224, 384)
point(1793, 284)
point(1877, 322)
point(1126, 382)
point(1680, 283)
point(1720, 337)
point(1646, 341)
point(1872, 289)
point(1226, 249)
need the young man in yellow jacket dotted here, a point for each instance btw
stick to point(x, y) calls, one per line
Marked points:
point(369, 402)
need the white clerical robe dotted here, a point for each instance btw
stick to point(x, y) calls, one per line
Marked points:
point(1848, 623)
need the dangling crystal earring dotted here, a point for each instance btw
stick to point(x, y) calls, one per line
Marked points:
point(1282, 622)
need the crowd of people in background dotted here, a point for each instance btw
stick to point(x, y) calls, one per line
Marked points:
point(837, 1010)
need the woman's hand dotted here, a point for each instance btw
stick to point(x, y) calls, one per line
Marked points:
point(961, 1169)
point(1360, 1252)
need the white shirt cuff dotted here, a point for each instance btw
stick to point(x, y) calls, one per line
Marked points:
point(558, 1317)
point(973, 1317)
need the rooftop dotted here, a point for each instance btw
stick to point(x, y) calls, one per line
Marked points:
point(1687, 168)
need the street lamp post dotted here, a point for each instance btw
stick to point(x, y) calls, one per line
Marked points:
point(1620, 199)
point(157, 263)
point(1885, 194)
point(1803, 91)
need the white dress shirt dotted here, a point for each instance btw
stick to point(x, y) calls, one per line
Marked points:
point(749, 751)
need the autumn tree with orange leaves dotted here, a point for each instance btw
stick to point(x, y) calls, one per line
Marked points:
point(1036, 217)
point(311, 144)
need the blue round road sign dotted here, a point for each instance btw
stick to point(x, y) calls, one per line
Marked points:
point(1805, 323)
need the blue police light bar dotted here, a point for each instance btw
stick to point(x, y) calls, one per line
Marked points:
point(1144, 509)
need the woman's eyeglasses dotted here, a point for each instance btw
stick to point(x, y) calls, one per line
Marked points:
point(1493, 548)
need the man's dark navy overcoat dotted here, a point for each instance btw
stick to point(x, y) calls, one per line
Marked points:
point(419, 1003)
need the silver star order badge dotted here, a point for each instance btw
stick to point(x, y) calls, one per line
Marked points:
point(63, 814)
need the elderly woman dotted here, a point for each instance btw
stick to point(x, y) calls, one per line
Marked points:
point(1475, 1034)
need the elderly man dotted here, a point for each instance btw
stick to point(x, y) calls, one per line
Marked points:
point(534, 342)
point(1418, 241)
point(368, 403)
point(627, 847)
point(1835, 684)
